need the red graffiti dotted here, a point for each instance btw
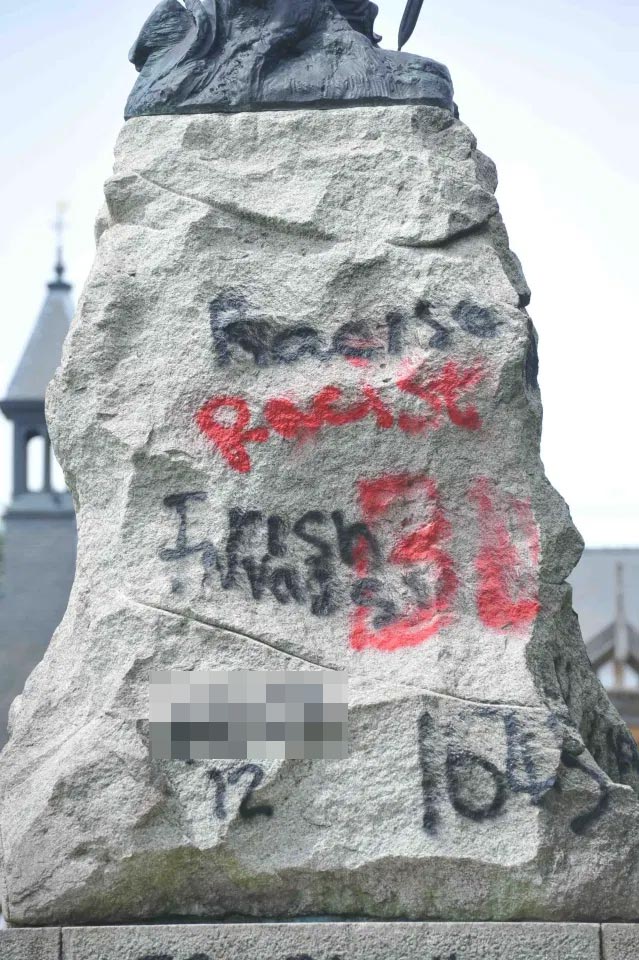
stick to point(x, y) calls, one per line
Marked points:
point(384, 500)
point(290, 422)
point(230, 439)
point(441, 392)
point(507, 572)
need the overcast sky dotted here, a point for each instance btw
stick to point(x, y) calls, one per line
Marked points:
point(550, 88)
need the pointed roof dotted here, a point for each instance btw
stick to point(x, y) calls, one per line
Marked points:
point(601, 648)
point(44, 349)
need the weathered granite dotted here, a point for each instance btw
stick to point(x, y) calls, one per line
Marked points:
point(299, 414)
point(233, 55)
point(336, 941)
point(43, 944)
point(620, 941)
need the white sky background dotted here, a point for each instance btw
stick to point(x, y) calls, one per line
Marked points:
point(549, 87)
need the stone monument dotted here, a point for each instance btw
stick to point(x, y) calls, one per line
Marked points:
point(299, 414)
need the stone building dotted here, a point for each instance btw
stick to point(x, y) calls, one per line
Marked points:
point(39, 524)
point(606, 597)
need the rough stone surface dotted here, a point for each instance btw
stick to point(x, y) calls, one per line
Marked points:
point(30, 944)
point(329, 941)
point(233, 55)
point(338, 285)
point(620, 941)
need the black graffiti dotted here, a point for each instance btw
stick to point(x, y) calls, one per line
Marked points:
point(180, 503)
point(259, 554)
point(352, 536)
point(464, 771)
point(478, 789)
point(426, 729)
point(519, 759)
point(479, 321)
point(238, 331)
point(307, 956)
point(169, 956)
point(295, 956)
point(321, 564)
point(583, 821)
point(442, 337)
point(336, 956)
point(222, 781)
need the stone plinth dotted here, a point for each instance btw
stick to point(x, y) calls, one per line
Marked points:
point(299, 414)
point(327, 941)
point(43, 944)
point(620, 941)
point(337, 941)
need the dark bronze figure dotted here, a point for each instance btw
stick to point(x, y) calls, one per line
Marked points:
point(361, 15)
point(205, 56)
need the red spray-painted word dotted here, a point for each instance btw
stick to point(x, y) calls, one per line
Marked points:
point(442, 392)
point(231, 440)
point(508, 560)
point(427, 568)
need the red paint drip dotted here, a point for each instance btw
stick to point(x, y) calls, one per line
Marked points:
point(231, 440)
point(499, 565)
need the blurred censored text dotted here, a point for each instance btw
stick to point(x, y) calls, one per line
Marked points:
point(249, 715)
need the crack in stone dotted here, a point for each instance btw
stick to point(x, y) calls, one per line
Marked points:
point(275, 223)
point(475, 703)
point(218, 625)
point(481, 228)
point(411, 691)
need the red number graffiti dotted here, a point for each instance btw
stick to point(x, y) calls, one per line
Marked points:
point(381, 500)
point(507, 594)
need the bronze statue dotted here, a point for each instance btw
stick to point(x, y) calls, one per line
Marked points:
point(361, 15)
point(204, 56)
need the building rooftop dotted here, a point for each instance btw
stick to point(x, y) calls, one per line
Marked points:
point(595, 589)
point(606, 598)
point(42, 354)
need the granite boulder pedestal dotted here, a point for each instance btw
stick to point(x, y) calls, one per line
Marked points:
point(299, 414)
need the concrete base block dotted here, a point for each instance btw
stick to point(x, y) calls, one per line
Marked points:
point(336, 941)
point(620, 941)
point(42, 944)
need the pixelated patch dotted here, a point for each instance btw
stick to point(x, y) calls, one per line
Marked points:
point(249, 715)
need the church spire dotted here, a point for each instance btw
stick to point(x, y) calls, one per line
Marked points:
point(24, 403)
point(60, 268)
